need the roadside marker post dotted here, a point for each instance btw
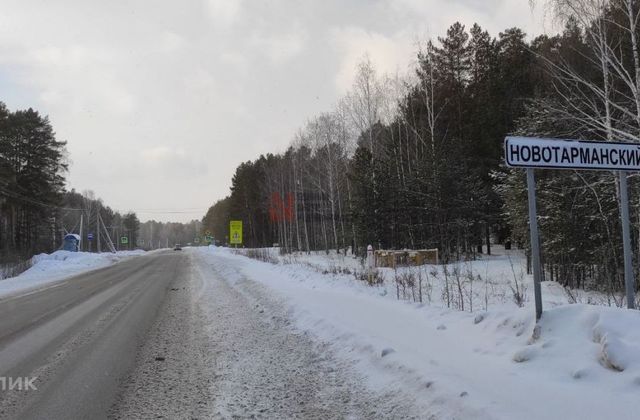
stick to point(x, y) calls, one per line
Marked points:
point(530, 153)
point(370, 263)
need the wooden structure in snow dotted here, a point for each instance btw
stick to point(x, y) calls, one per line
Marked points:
point(392, 258)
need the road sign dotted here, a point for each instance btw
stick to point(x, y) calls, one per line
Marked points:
point(90, 236)
point(532, 153)
point(124, 240)
point(528, 152)
point(235, 232)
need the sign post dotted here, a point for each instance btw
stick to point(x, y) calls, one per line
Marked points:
point(535, 241)
point(626, 240)
point(530, 153)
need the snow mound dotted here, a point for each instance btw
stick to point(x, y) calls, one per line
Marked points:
point(618, 333)
point(49, 268)
point(586, 336)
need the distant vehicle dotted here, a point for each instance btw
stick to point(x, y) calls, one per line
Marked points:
point(177, 247)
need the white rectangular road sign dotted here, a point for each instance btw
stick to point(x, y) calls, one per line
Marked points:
point(531, 153)
point(527, 152)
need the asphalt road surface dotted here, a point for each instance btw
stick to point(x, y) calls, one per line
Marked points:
point(79, 337)
point(168, 335)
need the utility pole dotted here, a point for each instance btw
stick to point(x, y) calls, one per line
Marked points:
point(81, 238)
point(106, 233)
point(98, 229)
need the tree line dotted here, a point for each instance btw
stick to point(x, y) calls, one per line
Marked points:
point(154, 235)
point(400, 162)
point(36, 210)
point(417, 161)
point(32, 168)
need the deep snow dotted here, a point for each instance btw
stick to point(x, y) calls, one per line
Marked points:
point(582, 361)
point(50, 268)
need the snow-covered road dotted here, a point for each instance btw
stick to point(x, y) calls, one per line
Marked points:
point(229, 349)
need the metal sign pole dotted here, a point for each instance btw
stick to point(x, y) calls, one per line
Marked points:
point(535, 241)
point(626, 240)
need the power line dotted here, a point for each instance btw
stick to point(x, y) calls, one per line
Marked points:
point(17, 196)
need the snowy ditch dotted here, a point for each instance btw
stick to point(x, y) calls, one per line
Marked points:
point(489, 361)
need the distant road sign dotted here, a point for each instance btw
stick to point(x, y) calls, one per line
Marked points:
point(528, 152)
point(124, 240)
point(235, 232)
point(90, 236)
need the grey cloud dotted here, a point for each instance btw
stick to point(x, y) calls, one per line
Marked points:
point(215, 82)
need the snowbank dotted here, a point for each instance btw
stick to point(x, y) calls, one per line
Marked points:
point(580, 362)
point(49, 268)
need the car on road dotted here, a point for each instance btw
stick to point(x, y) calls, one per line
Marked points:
point(177, 247)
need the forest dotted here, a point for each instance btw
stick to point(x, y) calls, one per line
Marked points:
point(416, 161)
point(36, 209)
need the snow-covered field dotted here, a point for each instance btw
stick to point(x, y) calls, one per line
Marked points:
point(50, 268)
point(582, 361)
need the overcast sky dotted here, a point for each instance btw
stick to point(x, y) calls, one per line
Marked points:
point(159, 101)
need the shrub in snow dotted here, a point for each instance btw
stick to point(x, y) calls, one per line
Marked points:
point(260, 254)
point(405, 282)
point(518, 288)
point(14, 268)
point(373, 278)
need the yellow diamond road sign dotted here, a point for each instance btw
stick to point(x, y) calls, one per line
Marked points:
point(235, 232)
